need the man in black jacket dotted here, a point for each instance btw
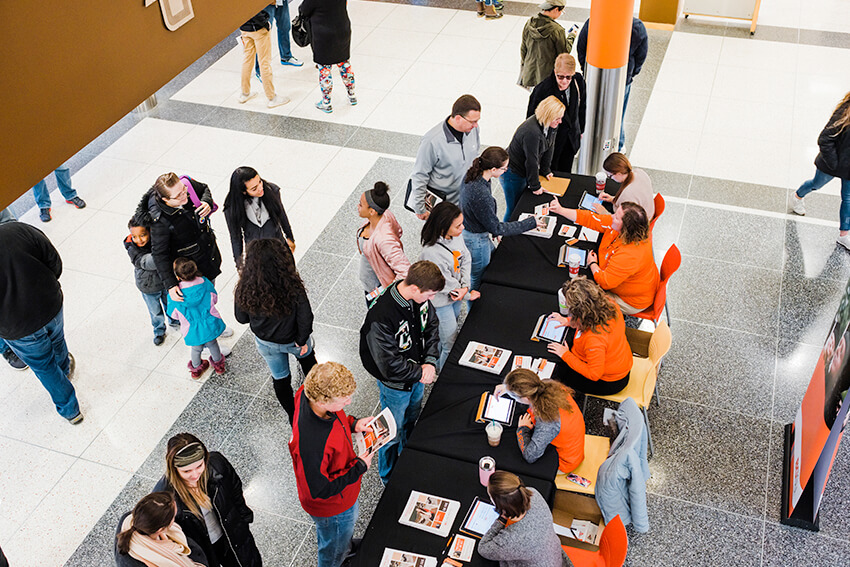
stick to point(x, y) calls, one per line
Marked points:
point(400, 345)
point(31, 317)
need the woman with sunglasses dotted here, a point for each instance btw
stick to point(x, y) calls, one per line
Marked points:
point(211, 508)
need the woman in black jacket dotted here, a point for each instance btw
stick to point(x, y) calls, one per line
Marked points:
point(833, 160)
point(331, 44)
point(270, 295)
point(567, 86)
point(211, 508)
point(253, 210)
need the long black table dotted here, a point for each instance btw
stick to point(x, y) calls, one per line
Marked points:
point(431, 474)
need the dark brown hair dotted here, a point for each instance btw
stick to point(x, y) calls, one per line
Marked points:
point(546, 396)
point(619, 163)
point(426, 276)
point(152, 513)
point(466, 103)
point(588, 304)
point(510, 496)
point(492, 157)
point(185, 269)
point(439, 222)
point(635, 224)
point(269, 283)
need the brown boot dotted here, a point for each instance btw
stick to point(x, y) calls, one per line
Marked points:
point(480, 9)
point(490, 12)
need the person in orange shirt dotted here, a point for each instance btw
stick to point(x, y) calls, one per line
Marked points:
point(553, 418)
point(624, 267)
point(600, 359)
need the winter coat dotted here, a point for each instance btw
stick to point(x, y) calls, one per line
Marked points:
point(834, 156)
point(530, 152)
point(293, 328)
point(242, 231)
point(621, 480)
point(638, 48)
point(330, 28)
point(225, 490)
point(147, 278)
point(543, 39)
point(121, 560)
point(258, 22)
point(384, 250)
point(568, 136)
point(200, 321)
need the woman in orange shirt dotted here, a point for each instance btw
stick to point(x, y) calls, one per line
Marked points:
point(553, 418)
point(624, 266)
point(600, 359)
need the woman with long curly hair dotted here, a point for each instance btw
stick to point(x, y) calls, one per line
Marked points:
point(270, 296)
point(211, 507)
point(600, 359)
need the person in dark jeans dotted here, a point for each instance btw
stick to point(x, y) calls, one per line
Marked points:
point(279, 11)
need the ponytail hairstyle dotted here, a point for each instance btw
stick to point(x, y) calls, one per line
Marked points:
point(178, 448)
point(439, 222)
point(546, 396)
point(378, 198)
point(152, 513)
point(510, 496)
point(619, 163)
point(635, 223)
point(843, 111)
point(491, 158)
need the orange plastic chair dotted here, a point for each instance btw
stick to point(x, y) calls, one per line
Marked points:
point(672, 261)
point(613, 546)
point(659, 208)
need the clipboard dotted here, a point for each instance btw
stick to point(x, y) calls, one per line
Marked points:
point(556, 186)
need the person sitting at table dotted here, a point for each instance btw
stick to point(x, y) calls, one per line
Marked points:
point(624, 265)
point(635, 185)
point(523, 535)
point(479, 211)
point(600, 359)
point(531, 151)
point(552, 417)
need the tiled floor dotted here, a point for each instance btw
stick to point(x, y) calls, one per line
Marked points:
point(725, 125)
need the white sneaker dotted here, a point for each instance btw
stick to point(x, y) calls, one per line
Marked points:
point(844, 241)
point(798, 206)
point(278, 100)
point(243, 98)
point(228, 332)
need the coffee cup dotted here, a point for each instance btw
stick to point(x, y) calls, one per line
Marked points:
point(601, 178)
point(574, 263)
point(486, 467)
point(494, 433)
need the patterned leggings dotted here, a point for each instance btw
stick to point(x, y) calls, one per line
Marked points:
point(326, 81)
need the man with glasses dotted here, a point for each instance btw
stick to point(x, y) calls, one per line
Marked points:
point(568, 86)
point(445, 154)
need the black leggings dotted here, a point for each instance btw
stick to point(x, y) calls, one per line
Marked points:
point(579, 383)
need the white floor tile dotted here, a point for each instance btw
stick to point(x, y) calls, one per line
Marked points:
point(822, 92)
point(762, 161)
point(500, 88)
point(818, 60)
point(103, 177)
point(755, 85)
point(343, 112)
point(425, 77)
point(467, 24)
point(506, 58)
point(417, 18)
point(148, 140)
point(84, 292)
point(678, 111)
point(460, 50)
point(66, 219)
point(694, 48)
point(311, 214)
point(664, 148)
point(680, 76)
point(211, 87)
point(409, 113)
point(373, 72)
point(344, 172)
point(290, 163)
point(498, 124)
point(784, 13)
point(746, 119)
point(401, 44)
point(211, 150)
point(366, 13)
point(767, 55)
point(104, 232)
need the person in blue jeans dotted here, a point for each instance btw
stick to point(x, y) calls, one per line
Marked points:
point(12, 358)
point(833, 160)
point(271, 297)
point(31, 315)
point(42, 195)
point(279, 11)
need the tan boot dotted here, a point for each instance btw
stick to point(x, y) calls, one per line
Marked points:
point(490, 12)
point(480, 9)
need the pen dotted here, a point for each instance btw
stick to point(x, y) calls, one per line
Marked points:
point(448, 546)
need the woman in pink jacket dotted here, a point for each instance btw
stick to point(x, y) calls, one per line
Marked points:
point(382, 259)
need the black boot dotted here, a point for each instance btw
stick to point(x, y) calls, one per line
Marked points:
point(283, 391)
point(307, 363)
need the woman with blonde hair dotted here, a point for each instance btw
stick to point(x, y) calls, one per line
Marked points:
point(552, 418)
point(600, 358)
point(635, 185)
point(149, 536)
point(530, 152)
point(211, 507)
point(833, 160)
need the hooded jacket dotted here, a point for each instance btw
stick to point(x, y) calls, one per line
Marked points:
point(147, 278)
point(200, 321)
point(834, 156)
point(543, 39)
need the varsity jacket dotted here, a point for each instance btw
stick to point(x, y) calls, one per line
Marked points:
point(397, 338)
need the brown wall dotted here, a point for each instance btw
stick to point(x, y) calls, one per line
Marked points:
point(72, 69)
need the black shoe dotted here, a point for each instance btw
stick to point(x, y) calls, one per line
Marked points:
point(76, 419)
point(77, 202)
point(14, 361)
point(158, 339)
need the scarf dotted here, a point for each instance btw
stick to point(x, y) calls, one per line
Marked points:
point(174, 552)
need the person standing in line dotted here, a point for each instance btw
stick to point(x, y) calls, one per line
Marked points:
point(445, 154)
point(833, 160)
point(400, 346)
point(256, 42)
point(32, 319)
point(279, 10)
point(638, 49)
point(327, 472)
point(330, 31)
point(568, 86)
point(270, 295)
point(253, 209)
point(543, 39)
point(382, 259)
point(10, 356)
point(442, 244)
point(42, 195)
point(211, 506)
point(490, 9)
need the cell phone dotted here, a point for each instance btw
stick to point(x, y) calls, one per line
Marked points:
point(580, 480)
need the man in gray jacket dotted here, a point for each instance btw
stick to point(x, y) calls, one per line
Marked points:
point(445, 154)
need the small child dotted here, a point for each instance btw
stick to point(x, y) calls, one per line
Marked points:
point(138, 245)
point(200, 321)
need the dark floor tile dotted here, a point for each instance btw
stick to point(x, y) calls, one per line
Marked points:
point(308, 552)
point(785, 546)
point(825, 38)
point(739, 30)
point(808, 308)
point(795, 364)
point(748, 195)
point(638, 99)
point(320, 270)
point(701, 452)
point(189, 113)
point(393, 143)
point(669, 183)
point(705, 26)
point(340, 235)
point(278, 538)
point(667, 229)
point(811, 252)
point(242, 120)
point(245, 370)
point(720, 368)
point(777, 33)
point(571, 14)
point(345, 304)
point(818, 205)
point(684, 534)
point(314, 131)
point(749, 296)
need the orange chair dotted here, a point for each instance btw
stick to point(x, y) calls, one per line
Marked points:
point(659, 208)
point(672, 261)
point(613, 546)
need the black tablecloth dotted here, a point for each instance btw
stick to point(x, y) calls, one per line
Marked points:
point(431, 474)
point(531, 262)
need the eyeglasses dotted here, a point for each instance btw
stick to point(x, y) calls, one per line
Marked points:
point(504, 168)
point(564, 77)
point(610, 175)
point(473, 122)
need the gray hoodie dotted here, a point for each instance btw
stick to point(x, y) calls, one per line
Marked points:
point(455, 263)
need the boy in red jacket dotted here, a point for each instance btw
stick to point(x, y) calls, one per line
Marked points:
point(327, 472)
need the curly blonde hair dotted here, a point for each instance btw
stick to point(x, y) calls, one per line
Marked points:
point(588, 303)
point(328, 381)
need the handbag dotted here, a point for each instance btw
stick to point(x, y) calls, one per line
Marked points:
point(193, 195)
point(301, 32)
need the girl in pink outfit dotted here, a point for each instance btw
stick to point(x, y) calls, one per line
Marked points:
point(382, 259)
